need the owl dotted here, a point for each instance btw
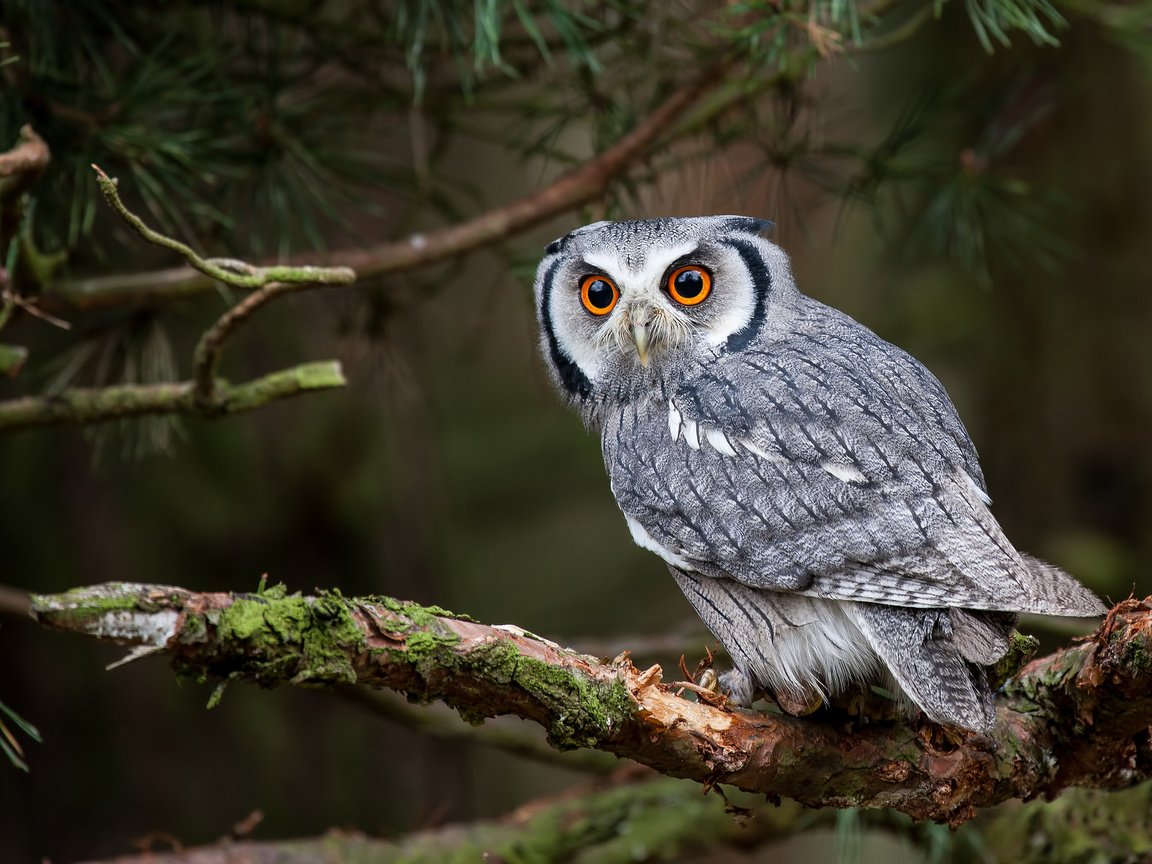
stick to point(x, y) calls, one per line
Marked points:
point(809, 485)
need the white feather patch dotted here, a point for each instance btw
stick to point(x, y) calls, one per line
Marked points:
point(847, 473)
point(739, 303)
point(652, 266)
point(691, 434)
point(756, 450)
point(980, 493)
point(719, 441)
point(827, 653)
point(644, 540)
point(674, 420)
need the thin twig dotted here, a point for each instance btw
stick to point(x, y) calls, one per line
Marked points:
point(267, 282)
point(9, 300)
point(206, 357)
point(97, 404)
point(231, 272)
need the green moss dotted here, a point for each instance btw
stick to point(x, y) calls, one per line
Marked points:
point(601, 707)
point(195, 630)
point(497, 661)
point(292, 638)
point(421, 616)
point(1136, 656)
point(424, 638)
point(426, 646)
point(1021, 649)
point(271, 592)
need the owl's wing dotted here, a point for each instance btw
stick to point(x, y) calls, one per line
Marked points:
point(832, 464)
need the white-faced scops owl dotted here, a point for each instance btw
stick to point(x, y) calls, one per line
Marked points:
point(809, 485)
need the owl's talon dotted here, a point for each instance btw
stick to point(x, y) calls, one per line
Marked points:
point(798, 703)
point(738, 687)
point(708, 680)
point(873, 704)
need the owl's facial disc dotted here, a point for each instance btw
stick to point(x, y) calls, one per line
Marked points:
point(622, 298)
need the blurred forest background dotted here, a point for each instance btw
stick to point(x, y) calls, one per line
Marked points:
point(971, 180)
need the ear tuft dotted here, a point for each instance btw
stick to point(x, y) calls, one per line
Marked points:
point(749, 224)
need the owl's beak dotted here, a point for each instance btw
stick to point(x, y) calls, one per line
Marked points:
point(640, 337)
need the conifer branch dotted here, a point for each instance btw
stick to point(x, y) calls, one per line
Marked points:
point(206, 394)
point(585, 183)
point(1078, 717)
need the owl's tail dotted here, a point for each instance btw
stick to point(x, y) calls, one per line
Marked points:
point(1051, 591)
point(918, 647)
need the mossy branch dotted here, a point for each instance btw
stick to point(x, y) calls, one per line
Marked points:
point(80, 405)
point(206, 394)
point(1078, 717)
point(238, 274)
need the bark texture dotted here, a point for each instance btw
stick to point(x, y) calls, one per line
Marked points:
point(1079, 717)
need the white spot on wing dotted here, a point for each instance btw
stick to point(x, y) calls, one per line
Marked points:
point(691, 434)
point(719, 442)
point(645, 540)
point(673, 420)
point(847, 473)
point(753, 448)
point(980, 493)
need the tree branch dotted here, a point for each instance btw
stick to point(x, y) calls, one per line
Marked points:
point(14, 601)
point(238, 274)
point(646, 821)
point(1076, 718)
point(586, 183)
point(97, 404)
point(269, 282)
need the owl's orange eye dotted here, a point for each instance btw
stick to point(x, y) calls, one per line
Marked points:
point(598, 294)
point(689, 285)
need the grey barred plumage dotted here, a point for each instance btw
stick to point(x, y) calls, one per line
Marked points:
point(809, 485)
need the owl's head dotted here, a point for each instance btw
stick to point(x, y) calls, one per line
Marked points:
point(631, 299)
